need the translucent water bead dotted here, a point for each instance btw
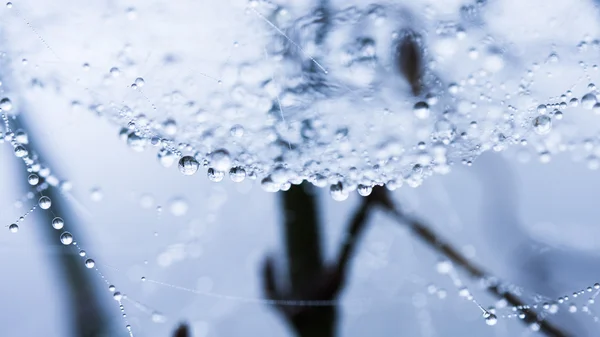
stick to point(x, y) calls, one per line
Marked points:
point(188, 165)
point(45, 202)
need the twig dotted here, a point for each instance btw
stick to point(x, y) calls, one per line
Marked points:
point(182, 331)
point(310, 279)
point(428, 236)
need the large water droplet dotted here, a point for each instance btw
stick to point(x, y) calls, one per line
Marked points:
point(237, 174)
point(588, 101)
point(490, 319)
point(542, 124)
point(220, 160)
point(89, 263)
point(66, 238)
point(5, 104)
point(33, 179)
point(421, 110)
point(166, 158)
point(136, 142)
point(188, 165)
point(45, 202)
point(215, 175)
point(337, 192)
point(58, 223)
point(13, 228)
point(20, 151)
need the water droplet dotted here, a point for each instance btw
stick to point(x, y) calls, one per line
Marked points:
point(170, 127)
point(490, 319)
point(157, 317)
point(541, 109)
point(112, 288)
point(220, 160)
point(337, 192)
point(542, 124)
point(136, 142)
point(588, 101)
point(237, 131)
point(33, 179)
point(364, 190)
point(188, 165)
point(117, 296)
point(89, 263)
point(421, 110)
point(66, 238)
point(166, 158)
point(82, 253)
point(96, 194)
point(13, 228)
point(58, 223)
point(139, 82)
point(5, 104)
point(44, 202)
point(443, 266)
point(237, 174)
point(572, 308)
point(214, 175)
point(115, 72)
point(20, 151)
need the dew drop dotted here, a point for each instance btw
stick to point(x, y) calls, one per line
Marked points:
point(5, 104)
point(58, 223)
point(33, 179)
point(45, 202)
point(421, 110)
point(188, 165)
point(13, 228)
point(490, 319)
point(443, 266)
point(21, 151)
point(166, 158)
point(82, 253)
point(237, 174)
point(139, 82)
point(214, 175)
point(237, 131)
point(170, 127)
point(89, 263)
point(118, 296)
point(337, 192)
point(220, 160)
point(96, 194)
point(66, 238)
point(541, 109)
point(542, 124)
point(588, 101)
point(136, 142)
point(364, 190)
point(157, 317)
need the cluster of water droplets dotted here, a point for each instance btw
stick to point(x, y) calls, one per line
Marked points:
point(327, 102)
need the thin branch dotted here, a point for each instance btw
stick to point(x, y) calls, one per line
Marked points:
point(312, 282)
point(436, 242)
point(182, 331)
